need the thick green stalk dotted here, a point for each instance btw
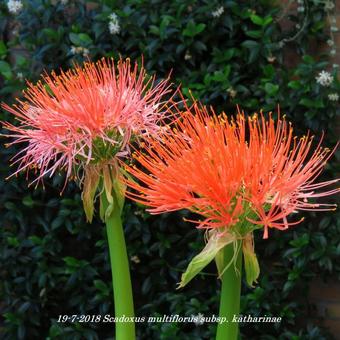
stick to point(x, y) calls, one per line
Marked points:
point(230, 295)
point(122, 290)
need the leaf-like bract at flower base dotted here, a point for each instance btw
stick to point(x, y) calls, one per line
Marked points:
point(215, 243)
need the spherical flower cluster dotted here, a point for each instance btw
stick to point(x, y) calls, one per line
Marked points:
point(14, 6)
point(231, 172)
point(324, 78)
point(333, 97)
point(85, 116)
point(218, 12)
point(114, 26)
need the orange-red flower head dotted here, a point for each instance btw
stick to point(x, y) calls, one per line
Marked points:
point(229, 171)
point(85, 115)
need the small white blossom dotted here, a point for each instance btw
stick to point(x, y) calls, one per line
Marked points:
point(271, 59)
point(114, 26)
point(334, 29)
point(20, 76)
point(74, 50)
point(324, 78)
point(218, 12)
point(232, 93)
point(80, 50)
point(300, 1)
point(187, 56)
point(15, 31)
point(86, 52)
point(334, 97)
point(301, 9)
point(330, 42)
point(14, 6)
point(332, 52)
point(198, 319)
point(298, 26)
point(113, 17)
point(329, 5)
point(135, 259)
point(335, 65)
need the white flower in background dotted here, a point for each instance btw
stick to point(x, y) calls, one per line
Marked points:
point(80, 50)
point(187, 56)
point(232, 93)
point(335, 65)
point(86, 52)
point(114, 26)
point(198, 319)
point(14, 6)
point(15, 31)
point(333, 51)
point(218, 12)
point(330, 42)
point(113, 17)
point(329, 5)
point(334, 97)
point(135, 259)
point(271, 59)
point(20, 76)
point(324, 78)
point(74, 50)
point(301, 9)
point(334, 29)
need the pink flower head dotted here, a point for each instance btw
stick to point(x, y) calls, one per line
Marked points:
point(85, 116)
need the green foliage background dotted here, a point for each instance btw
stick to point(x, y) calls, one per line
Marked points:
point(54, 263)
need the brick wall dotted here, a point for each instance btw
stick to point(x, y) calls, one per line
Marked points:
point(326, 299)
point(326, 296)
point(323, 297)
point(337, 34)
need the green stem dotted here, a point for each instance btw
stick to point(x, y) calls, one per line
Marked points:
point(230, 295)
point(122, 290)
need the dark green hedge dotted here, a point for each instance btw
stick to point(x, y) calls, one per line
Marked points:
point(53, 262)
